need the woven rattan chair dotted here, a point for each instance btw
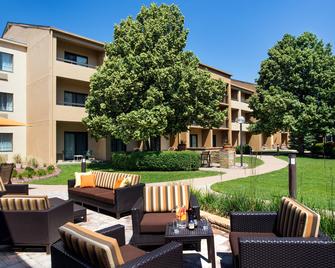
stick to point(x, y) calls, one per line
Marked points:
point(6, 171)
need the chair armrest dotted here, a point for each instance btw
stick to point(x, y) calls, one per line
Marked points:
point(195, 206)
point(126, 197)
point(169, 255)
point(262, 222)
point(137, 215)
point(71, 183)
point(286, 252)
point(115, 231)
point(17, 189)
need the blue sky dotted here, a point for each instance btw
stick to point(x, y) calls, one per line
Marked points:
point(229, 35)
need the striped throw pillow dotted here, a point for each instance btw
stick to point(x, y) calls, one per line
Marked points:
point(165, 198)
point(109, 179)
point(2, 186)
point(24, 202)
point(99, 250)
point(296, 220)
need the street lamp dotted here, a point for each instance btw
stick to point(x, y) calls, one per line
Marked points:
point(241, 120)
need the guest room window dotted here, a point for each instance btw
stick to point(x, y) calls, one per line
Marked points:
point(6, 142)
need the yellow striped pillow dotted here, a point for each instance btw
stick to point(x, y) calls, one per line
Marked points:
point(24, 202)
point(98, 249)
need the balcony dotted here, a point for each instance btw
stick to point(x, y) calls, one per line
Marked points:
point(236, 127)
point(69, 113)
point(240, 105)
point(66, 69)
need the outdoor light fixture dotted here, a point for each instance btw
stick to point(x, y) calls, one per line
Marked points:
point(241, 120)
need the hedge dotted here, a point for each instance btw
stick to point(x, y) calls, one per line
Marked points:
point(328, 149)
point(246, 149)
point(156, 161)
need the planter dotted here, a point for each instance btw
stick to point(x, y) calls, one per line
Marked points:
point(18, 166)
point(181, 147)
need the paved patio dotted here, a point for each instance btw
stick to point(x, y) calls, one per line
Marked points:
point(96, 221)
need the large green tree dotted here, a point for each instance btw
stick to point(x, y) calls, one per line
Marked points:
point(148, 84)
point(296, 89)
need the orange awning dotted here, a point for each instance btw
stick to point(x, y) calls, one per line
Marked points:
point(4, 122)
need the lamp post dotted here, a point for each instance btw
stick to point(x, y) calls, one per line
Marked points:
point(292, 175)
point(241, 120)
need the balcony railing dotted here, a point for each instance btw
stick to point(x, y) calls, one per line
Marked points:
point(73, 104)
point(76, 63)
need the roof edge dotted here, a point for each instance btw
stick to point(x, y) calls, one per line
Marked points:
point(13, 42)
point(215, 69)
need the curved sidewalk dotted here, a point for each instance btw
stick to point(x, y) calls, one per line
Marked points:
point(271, 163)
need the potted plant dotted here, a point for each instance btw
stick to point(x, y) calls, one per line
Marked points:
point(18, 161)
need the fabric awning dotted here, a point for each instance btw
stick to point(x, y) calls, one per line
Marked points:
point(5, 122)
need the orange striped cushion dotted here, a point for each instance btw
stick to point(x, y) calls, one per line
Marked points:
point(98, 249)
point(24, 202)
point(296, 220)
point(164, 198)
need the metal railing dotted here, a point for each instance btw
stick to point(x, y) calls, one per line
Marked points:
point(77, 63)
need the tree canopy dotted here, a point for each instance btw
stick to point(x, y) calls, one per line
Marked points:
point(148, 85)
point(296, 89)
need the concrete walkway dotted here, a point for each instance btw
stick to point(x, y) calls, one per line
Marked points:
point(271, 163)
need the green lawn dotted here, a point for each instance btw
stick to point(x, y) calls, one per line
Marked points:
point(67, 172)
point(251, 161)
point(316, 183)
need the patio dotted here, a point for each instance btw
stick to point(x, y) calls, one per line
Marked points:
point(96, 221)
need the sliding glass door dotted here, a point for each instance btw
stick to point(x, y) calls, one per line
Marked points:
point(75, 143)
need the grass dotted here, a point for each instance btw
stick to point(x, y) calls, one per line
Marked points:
point(67, 172)
point(251, 161)
point(315, 183)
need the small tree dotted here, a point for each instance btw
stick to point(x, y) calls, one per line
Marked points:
point(148, 84)
point(296, 89)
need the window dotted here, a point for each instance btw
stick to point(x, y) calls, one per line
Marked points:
point(193, 140)
point(6, 102)
point(6, 142)
point(76, 59)
point(214, 140)
point(6, 62)
point(74, 99)
point(118, 146)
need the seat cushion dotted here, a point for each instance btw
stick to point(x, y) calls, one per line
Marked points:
point(156, 222)
point(96, 193)
point(130, 252)
point(234, 238)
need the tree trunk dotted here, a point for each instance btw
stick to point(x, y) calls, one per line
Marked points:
point(301, 144)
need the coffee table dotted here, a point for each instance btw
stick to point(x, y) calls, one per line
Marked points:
point(186, 235)
point(79, 212)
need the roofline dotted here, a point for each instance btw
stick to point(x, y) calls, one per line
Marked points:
point(243, 87)
point(253, 84)
point(13, 42)
point(215, 69)
point(52, 29)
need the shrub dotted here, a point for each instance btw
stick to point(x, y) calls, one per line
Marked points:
point(246, 149)
point(17, 159)
point(328, 149)
point(163, 161)
point(20, 176)
point(28, 172)
point(32, 162)
point(14, 174)
point(50, 169)
point(41, 172)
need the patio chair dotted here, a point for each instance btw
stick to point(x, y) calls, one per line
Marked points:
point(6, 189)
point(106, 248)
point(149, 219)
point(6, 171)
point(288, 238)
point(32, 221)
point(205, 158)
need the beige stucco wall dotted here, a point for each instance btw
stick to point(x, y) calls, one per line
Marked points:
point(16, 85)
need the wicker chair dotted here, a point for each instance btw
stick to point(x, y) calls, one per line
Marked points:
point(149, 228)
point(255, 242)
point(6, 171)
point(169, 255)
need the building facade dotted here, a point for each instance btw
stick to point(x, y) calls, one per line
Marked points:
point(13, 140)
point(59, 65)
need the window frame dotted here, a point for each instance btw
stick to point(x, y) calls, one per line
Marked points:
point(76, 61)
point(8, 111)
point(74, 93)
point(12, 139)
point(1, 70)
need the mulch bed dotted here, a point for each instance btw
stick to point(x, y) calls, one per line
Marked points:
point(27, 180)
